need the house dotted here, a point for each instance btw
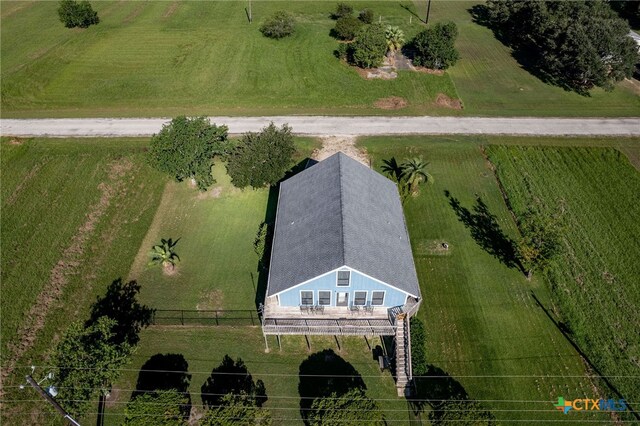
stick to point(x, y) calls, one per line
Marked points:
point(341, 260)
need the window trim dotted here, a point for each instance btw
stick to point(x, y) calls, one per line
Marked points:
point(338, 278)
point(384, 294)
point(366, 293)
point(346, 300)
point(312, 297)
point(319, 298)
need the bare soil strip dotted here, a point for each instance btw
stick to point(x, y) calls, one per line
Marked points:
point(68, 265)
point(345, 144)
point(16, 192)
point(171, 9)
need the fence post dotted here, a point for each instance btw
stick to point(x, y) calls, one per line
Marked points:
point(182, 316)
point(251, 313)
point(217, 318)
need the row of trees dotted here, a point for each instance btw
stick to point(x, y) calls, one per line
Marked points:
point(574, 44)
point(186, 147)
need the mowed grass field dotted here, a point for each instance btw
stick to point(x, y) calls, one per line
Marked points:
point(169, 58)
point(483, 326)
point(595, 282)
point(73, 216)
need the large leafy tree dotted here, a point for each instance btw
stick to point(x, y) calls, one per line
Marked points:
point(261, 159)
point(236, 409)
point(88, 361)
point(434, 47)
point(574, 44)
point(77, 14)
point(349, 409)
point(185, 149)
point(369, 47)
point(540, 242)
point(160, 408)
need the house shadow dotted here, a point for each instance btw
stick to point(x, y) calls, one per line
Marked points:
point(322, 374)
point(486, 231)
point(269, 222)
point(232, 377)
point(120, 303)
point(165, 372)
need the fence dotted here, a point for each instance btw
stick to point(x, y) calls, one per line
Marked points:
point(210, 318)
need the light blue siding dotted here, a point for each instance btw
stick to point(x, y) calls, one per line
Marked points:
point(392, 297)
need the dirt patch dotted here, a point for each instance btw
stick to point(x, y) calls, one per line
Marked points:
point(345, 144)
point(134, 13)
point(392, 102)
point(429, 71)
point(114, 396)
point(214, 192)
point(16, 192)
point(444, 101)
point(171, 9)
point(211, 301)
point(16, 141)
point(433, 248)
point(632, 84)
point(67, 266)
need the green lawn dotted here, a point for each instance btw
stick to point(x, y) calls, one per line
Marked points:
point(204, 348)
point(73, 214)
point(169, 58)
point(483, 326)
point(595, 282)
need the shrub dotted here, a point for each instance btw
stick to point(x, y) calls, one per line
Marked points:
point(261, 159)
point(434, 47)
point(342, 9)
point(74, 14)
point(280, 25)
point(346, 27)
point(366, 16)
point(342, 51)
point(369, 47)
point(350, 409)
point(160, 408)
point(419, 363)
point(395, 37)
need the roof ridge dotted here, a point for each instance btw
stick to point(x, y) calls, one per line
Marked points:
point(342, 220)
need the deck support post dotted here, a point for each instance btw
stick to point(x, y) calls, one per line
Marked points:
point(308, 344)
point(338, 343)
point(279, 344)
point(266, 343)
point(367, 341)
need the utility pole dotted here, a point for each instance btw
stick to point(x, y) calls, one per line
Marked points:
point(426, 20)
point(50, 400)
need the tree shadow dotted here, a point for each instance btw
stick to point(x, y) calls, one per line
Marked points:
point(120, 303)
point(409, 8)
point(434, 388)
point(322, 374)
point(486, 231)
point(270, 220)
point(232, 377)
point(165, 372)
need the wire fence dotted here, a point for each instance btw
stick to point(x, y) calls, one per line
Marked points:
point(205, 317)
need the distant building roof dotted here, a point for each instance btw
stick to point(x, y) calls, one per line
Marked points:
point(339, 212)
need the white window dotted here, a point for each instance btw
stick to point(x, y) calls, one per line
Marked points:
point(342, 298)
point(324, 297)
point(360, 298)
point(306, 297)
point(344, 278)
point(377, 298)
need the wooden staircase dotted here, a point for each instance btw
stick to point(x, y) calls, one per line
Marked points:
point(403, 355)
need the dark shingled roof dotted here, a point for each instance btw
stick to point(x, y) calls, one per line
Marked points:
point(339, 212)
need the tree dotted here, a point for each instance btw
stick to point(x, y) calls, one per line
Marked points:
point(370, 46)
point(577, 45)
point(346, 27)
point(77, 14)
point(415, 173)
point(466, 413)
point(366, 16)
point(236, 409)
point(434, 47)
point(280, 25)
point(394, 171)
point(540, 241)
point(395, 38)
point(261, 159)
point(164, 254)
point(342, 9)
point(185, 149)
point(353, 408)
point(88, 362)
point(160, 408)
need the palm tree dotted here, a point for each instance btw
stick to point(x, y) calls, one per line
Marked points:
point(395, 38)
point(414, 170)
point(164, 254)
point(393, 170)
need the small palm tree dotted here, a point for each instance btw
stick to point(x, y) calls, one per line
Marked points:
point(164, 254)
point(395, 38)
point(392, 169)
point(415, 171)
